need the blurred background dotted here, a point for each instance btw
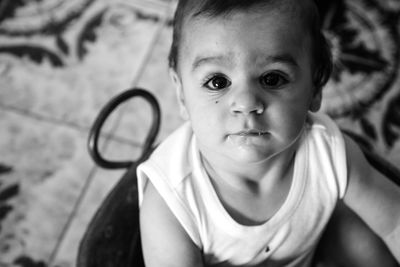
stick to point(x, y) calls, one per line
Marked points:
point(62, 60)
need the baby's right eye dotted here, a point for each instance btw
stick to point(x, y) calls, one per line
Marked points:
point(217, 82)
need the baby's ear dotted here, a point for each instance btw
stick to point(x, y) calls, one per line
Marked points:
point(315, 104)
point(179, 93)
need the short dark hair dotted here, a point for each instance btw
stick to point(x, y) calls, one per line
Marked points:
point(321, 53)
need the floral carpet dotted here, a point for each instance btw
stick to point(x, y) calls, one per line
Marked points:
point(62, 60)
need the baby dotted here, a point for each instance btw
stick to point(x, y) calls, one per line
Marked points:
point(254, 175)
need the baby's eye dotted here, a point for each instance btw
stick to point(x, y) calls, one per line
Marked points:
point(273, 80)
point(217, 82)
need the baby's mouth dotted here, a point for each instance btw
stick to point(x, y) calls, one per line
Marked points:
point(251, 132)
point(249, 137)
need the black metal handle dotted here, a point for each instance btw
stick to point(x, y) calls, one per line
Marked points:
point(95, 131)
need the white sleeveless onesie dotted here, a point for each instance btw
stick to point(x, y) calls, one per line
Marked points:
point(289, 238)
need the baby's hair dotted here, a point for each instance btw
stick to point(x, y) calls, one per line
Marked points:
point(322, 61)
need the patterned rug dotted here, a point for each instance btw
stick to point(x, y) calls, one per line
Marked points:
point(363, 94)
point(62, 60)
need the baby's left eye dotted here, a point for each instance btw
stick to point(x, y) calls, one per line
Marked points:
point(273, 80)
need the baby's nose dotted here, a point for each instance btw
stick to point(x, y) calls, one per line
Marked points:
point(247, 102)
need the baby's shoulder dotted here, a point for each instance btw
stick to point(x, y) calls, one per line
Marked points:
point(320, 127)
point(322, 123)
point(325, 150)
point(171, 158)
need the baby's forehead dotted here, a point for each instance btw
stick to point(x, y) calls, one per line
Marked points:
point(303, 16)
point(244, 38)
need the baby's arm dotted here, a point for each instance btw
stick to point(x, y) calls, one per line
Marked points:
point(164, 241)
point(373, 197)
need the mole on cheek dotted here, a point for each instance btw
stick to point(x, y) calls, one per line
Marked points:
point(216, 102)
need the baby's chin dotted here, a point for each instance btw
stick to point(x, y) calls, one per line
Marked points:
point(248, 155)
point(249, 141)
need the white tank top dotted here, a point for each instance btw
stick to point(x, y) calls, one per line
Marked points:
point(289, 237)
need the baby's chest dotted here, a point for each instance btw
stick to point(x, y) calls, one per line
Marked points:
point(284, 238)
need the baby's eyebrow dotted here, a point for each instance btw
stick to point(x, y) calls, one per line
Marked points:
point(282, 58)
point(216, 59)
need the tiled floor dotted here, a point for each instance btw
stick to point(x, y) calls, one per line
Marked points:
point(49, 186)
point(45, 115)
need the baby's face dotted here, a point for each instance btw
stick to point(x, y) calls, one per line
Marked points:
point(245, 83)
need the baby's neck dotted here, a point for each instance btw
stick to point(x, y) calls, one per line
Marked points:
point(256, 178)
